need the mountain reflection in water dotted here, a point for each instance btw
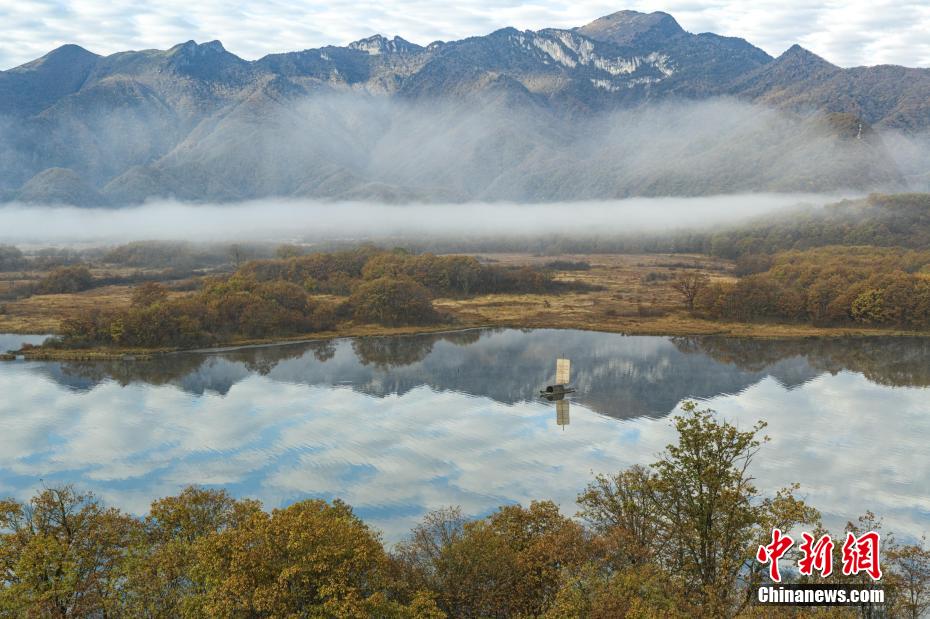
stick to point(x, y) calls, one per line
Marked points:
point(616, 375)
point(397, 426)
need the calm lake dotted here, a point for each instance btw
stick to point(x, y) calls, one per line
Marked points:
point(402, 425)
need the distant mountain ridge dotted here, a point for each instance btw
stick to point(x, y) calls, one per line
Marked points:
point(81, 128)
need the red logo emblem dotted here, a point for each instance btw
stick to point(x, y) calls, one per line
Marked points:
point(817, 555)
point(860, 554)
point(773, 552)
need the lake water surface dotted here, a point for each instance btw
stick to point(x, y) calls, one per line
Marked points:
point(402, 425)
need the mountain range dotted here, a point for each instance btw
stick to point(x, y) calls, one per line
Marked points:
point(629, 104)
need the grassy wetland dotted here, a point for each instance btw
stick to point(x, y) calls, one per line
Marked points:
point(628, 293)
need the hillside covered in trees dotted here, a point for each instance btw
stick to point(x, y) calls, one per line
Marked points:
point(859, 264)
point(900, 220)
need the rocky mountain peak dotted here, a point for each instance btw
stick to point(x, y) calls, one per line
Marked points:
point(801, 62)
point(208, 61)
point(191, 49)
point(628, 28)
point(197, 122)
point(379, 44)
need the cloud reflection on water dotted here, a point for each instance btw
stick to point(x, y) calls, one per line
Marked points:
point(394, 454)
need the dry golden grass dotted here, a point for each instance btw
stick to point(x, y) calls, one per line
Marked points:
point(44, 313)
point(624, 296)
point(625, 302)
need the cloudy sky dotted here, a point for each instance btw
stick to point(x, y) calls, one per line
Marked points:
point(847, 32)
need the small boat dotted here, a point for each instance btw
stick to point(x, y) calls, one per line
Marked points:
point(557, 391)
point(562, 385)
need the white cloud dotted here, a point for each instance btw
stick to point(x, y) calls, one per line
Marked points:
point(848, 33)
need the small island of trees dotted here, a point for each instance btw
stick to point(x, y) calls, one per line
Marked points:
point(294, 295)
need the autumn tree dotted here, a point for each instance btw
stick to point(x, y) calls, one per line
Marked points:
point(148, 294)
point(160, 575)
point(61, 554)
point(508, 564)
point(643, 592)
point(390, 301)
point(621, 509)
point(910, 567)
point(310, 559)
point(695, 512)
point(288, 250)
point(66, 279)
point(711, 513)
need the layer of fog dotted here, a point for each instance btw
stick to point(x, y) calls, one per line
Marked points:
point(482, 148)
point(293, 220)
point(911, 154)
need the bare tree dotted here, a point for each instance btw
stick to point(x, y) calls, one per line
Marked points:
point(235, 252)
point(689, 285)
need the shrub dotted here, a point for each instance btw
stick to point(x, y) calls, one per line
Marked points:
point(655, 276)
point(11, 258)
point(568, 265)
point(148, 294)
point(392, 301)
point(66, 279)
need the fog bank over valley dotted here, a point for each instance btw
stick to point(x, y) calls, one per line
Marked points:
point(296, 220)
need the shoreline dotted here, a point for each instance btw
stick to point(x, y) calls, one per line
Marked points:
point(646, 327)
point(629, 294)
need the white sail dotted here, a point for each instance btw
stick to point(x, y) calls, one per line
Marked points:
point(562, 371)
